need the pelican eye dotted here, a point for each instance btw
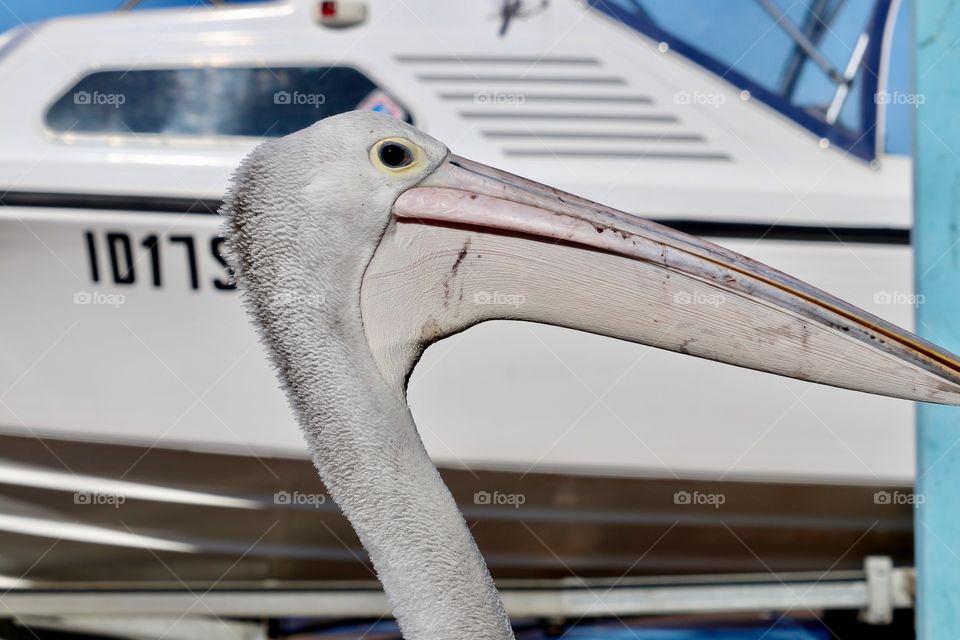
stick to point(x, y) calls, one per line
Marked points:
point(394, 155)
point(397, 157)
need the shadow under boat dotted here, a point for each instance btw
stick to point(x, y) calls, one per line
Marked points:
point(102, 515)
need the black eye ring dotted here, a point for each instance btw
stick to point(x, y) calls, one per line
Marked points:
point(394, 155)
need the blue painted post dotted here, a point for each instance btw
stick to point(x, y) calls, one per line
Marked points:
point(937, 262)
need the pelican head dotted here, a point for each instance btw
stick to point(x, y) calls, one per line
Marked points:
point(360, 240)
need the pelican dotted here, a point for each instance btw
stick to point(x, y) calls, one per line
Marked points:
point(360, 240)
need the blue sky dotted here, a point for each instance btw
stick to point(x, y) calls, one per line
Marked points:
point(899, 117)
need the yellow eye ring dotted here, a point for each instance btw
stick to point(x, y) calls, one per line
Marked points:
point(396, 156)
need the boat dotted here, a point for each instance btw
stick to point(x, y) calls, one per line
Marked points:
point(145, 443)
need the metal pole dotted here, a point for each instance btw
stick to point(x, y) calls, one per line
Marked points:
point(937, 265)
point(876, 592)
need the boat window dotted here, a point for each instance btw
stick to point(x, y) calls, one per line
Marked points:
point(815, 61)
point(216, 101)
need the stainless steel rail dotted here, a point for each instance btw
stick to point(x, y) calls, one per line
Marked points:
point(876, 592)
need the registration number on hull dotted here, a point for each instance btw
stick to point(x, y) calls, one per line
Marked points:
point(121, 258)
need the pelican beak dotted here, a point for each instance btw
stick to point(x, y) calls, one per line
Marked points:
point(471, 243)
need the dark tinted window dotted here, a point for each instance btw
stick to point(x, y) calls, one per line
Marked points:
point(816, 61)
point(215, 101)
